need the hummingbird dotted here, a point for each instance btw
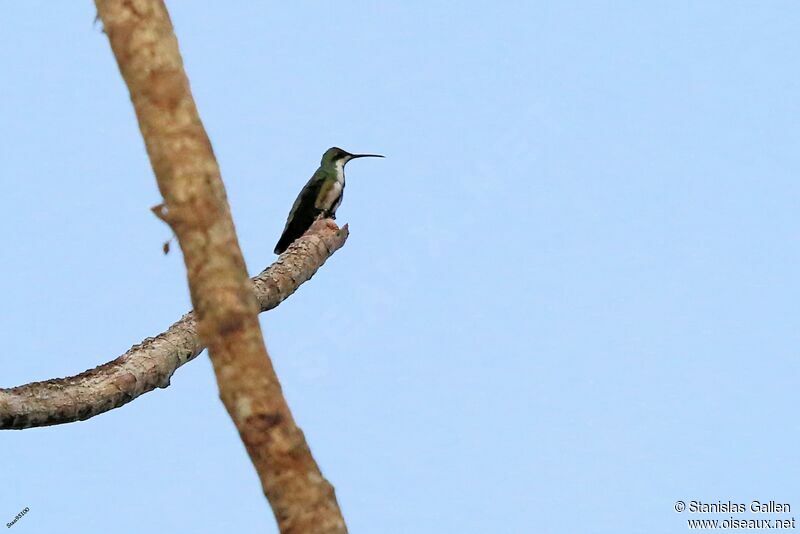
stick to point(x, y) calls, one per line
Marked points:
point(320, 197)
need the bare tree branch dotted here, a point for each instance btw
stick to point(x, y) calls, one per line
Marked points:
point(151, 363)
point(196, 207)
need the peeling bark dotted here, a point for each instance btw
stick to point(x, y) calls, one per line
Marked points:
point(151, 363)
point(196, 208)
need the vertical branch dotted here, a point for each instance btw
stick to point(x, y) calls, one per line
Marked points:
point(196, 207)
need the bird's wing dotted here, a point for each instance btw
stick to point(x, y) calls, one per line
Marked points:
point(301, 216)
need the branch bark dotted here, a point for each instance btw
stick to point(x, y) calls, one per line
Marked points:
point(196, 207)
point(151, 363)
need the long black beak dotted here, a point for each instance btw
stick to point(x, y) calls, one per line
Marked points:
point(354, 156)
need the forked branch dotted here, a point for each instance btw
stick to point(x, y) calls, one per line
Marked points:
point(196, 208)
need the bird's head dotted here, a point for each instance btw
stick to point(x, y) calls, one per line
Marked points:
point(336, 157)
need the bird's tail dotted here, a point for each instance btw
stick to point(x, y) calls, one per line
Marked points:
point(283, 242)
point(295, 228)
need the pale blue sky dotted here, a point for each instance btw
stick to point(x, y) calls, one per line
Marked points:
point(569, 298)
